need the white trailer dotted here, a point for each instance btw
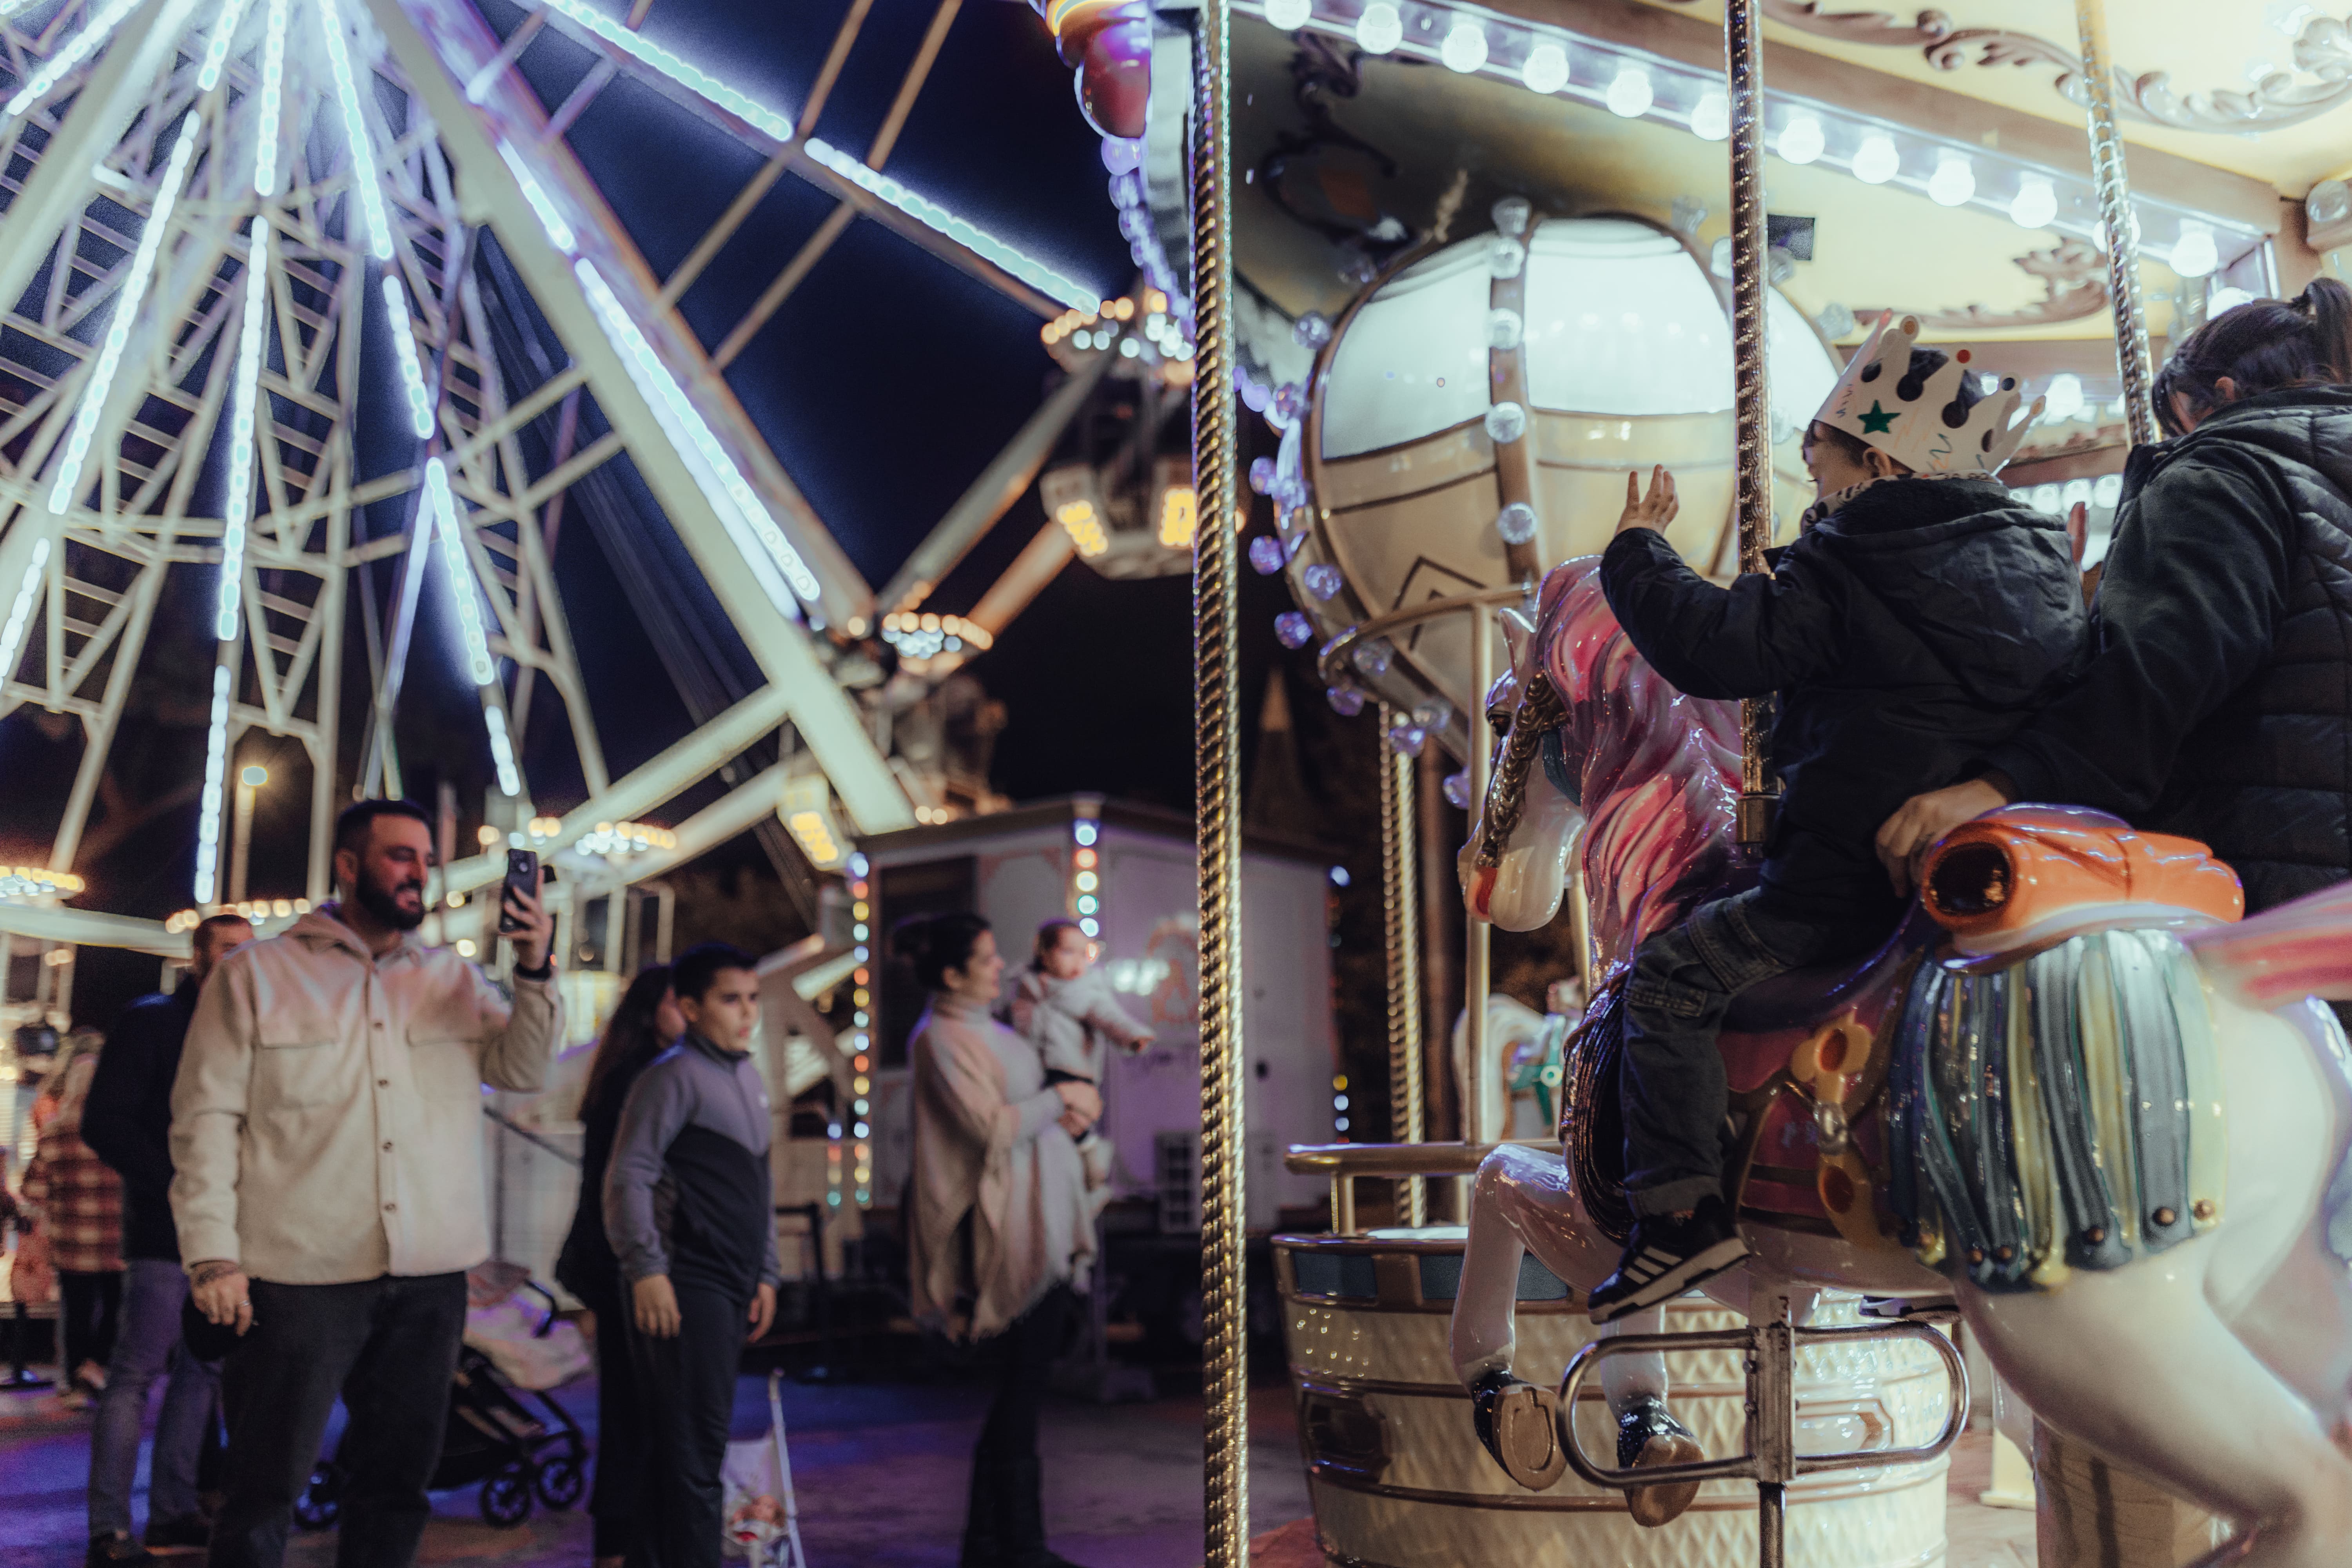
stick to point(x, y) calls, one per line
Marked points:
point(1128, 872)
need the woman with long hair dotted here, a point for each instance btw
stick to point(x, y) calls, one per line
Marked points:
point(1000, 1220)
point(2219, 702)
point(646, 1024)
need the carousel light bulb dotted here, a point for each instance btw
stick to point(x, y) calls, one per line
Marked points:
point(2075, 493)
point(1546, 69)
point(2036, 205)
point(1954, 181)
point(2194, 254)
point(1802, 140)
point(2108, 489)
point(1877, 160)
point(1464, 49)
point(2226, 298)
point(1630, 96)
point(1710, 118)
point(1380, 29)
point(2063, 398)
point(1289, 14)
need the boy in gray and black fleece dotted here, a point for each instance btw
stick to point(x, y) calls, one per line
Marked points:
point(690, 1212)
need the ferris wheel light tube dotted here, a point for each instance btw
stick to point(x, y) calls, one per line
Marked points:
point(237, 510)
point(363, 170)
point(125, 317)
point(740, 508)
point(57, 66)
point(267, 134)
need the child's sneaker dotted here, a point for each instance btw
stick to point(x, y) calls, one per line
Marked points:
point(1666, 1256)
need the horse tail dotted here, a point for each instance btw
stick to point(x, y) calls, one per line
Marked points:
point(2282, 955)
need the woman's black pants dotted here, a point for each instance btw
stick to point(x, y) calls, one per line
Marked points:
point(615, 1504)
point(1005, 1521)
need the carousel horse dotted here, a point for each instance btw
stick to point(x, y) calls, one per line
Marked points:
point(2075, 1094)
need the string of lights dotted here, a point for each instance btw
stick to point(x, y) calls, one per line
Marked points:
point(932, 215)
point(364, 178)
point(209, 809)
point(236, 509)
point(12, 635)
point(403, 343)
point(216, 47)
point(125, 317)
point(57, 66)
point(273, 94)
point(638, 47)
point(739, 506)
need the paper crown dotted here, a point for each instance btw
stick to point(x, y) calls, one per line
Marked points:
point(1919, 420)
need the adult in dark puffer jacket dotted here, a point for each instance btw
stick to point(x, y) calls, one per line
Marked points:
point(2219, 705)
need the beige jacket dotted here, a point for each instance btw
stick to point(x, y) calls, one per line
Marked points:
point(327, 1124)
point(989, 1146)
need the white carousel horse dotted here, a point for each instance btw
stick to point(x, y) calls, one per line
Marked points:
point(2212, 1352)
point(1517, 1078)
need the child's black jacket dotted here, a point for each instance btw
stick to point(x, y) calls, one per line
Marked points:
point(1905, 633)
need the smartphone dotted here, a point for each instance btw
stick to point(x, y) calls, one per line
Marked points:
point(522, 878)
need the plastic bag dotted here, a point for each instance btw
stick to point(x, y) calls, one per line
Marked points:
point(753, 1509)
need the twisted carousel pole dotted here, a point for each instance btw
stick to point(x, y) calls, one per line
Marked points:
point(1217, 768)
point(1743, 68)
point(1401, 901)
point(1744, 83)
point(2123, 223)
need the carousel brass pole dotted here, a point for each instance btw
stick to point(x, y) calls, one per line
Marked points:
point(1217, 737)
point(1401, 901)
point(2123, 223)
point(1744, 74)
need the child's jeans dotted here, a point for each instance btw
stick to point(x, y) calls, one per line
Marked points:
point(1674, 1092)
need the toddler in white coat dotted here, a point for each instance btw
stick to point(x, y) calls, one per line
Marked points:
point(1065, 1007)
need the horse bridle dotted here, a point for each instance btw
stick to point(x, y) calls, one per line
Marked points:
point(1540, 711)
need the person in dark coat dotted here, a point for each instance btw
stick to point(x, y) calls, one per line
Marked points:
point(126, 1122)
point(645, 1024)
point(1920, 617)
point(2218, 704)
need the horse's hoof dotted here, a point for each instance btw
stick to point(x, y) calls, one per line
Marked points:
point(1648, 1435)
point(1519, 1424)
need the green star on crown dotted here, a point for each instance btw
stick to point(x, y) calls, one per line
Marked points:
point(1878, 421)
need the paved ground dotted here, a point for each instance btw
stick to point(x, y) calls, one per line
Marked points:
point(880, 1470)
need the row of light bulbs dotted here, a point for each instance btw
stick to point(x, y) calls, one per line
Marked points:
point(250, 908)
point(1874, 157)
point(37, 882)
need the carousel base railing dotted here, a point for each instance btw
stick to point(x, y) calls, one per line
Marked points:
point(1770, 1343)
point(1347, 1164)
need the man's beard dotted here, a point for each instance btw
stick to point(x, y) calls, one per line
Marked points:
point(385, 905)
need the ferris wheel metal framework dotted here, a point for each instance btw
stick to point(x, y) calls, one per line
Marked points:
point(216, 190)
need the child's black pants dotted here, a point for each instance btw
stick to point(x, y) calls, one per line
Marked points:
point(687, 1386)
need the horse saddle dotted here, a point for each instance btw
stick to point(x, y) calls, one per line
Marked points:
point(2019, 1113)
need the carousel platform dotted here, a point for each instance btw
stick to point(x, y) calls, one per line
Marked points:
point(881, 1474)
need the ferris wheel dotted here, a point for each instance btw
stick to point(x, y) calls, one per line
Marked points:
point(233, 224)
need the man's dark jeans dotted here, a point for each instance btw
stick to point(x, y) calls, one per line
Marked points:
point(389, 1347)
point(1674, 1093)
point(687, 1386)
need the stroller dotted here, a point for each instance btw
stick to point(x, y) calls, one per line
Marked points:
point(516, 1450)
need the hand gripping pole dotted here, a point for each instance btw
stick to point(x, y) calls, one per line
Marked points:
point(1771, 1460)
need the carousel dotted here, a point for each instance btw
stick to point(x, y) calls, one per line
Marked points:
point(1471, 265)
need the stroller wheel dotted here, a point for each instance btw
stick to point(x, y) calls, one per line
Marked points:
point(560, 1481)
point(321, 1502)
point(506, 1496)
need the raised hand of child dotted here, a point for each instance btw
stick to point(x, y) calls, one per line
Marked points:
point(1653, 510)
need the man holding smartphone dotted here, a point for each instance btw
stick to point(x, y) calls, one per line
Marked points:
point(327, 1143)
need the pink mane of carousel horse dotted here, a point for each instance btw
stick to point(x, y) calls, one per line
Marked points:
point(2074, 1091)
